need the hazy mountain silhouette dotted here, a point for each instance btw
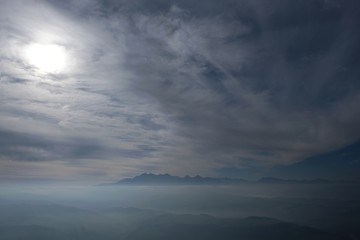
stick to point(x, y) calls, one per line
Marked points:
point(341, 164)
point(279, 180)
point(188, 226)
point(150, 179)
point(166, 179)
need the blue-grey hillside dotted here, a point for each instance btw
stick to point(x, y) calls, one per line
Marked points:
point(340, 164)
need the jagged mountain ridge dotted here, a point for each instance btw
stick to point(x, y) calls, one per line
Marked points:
point(151, 179)
point(167, 179)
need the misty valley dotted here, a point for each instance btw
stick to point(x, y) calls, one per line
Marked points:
point(251, 211)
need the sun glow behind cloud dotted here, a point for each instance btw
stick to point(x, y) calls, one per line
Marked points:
point(47, 58)
point(138, 77)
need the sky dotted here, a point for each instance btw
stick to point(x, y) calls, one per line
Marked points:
point(97, 90)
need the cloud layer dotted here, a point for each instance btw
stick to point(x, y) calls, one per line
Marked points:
point(178, 87)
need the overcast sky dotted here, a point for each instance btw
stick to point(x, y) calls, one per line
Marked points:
point(183, 87)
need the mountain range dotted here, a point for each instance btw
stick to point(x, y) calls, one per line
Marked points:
point(167, 179)
point(150, 179)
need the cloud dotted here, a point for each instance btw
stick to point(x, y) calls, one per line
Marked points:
point(184, 88)
point(274, 85)
point(30, 147)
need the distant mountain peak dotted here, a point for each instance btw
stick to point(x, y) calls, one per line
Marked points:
point(151, 179)
point(167, 179)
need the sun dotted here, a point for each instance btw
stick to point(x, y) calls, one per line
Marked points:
point(47, 58)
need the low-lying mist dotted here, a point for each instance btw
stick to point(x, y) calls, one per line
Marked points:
point(43, 211)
